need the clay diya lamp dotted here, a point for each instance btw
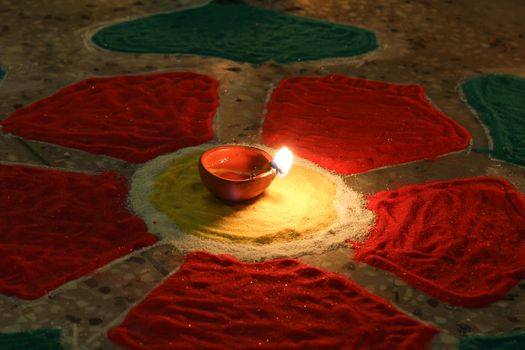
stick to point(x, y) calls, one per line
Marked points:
point(238, 173)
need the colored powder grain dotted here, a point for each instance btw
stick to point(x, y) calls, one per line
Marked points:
point(2, 72)
point(217, 302)
point(41, 339)
point(354, 125)
point(499, 101)
point(460, 241)
point(509, 341)
point(134, 118)
point(57, 226)
point(298, 205)
point(238, 32)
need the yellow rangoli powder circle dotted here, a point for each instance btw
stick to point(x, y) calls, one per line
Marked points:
point(291, 208)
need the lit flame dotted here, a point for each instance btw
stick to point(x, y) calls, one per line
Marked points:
point(282, 162)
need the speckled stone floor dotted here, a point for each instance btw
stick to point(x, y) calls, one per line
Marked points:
point(44, 46)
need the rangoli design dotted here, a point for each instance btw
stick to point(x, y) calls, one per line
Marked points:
point(500, 105)
point(239, 32)
point(168, 194)
point(218, 302)
point(354, 125)
point(134, 118)
point(40, 339)
point(180, 194)
point(434, 237)
point(58, 226)
point(509, 341)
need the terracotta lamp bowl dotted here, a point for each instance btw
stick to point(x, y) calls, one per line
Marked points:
point(236, 173)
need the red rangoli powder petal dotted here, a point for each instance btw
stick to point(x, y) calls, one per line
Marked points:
point(57, 226)
point(134, 118)
point(217, 302)
point(353, 125)
point(460, 241)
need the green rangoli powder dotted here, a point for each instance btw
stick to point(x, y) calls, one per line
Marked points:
point(238, 32)
point(41, 339)
point(509, 341)
point(499, 101)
